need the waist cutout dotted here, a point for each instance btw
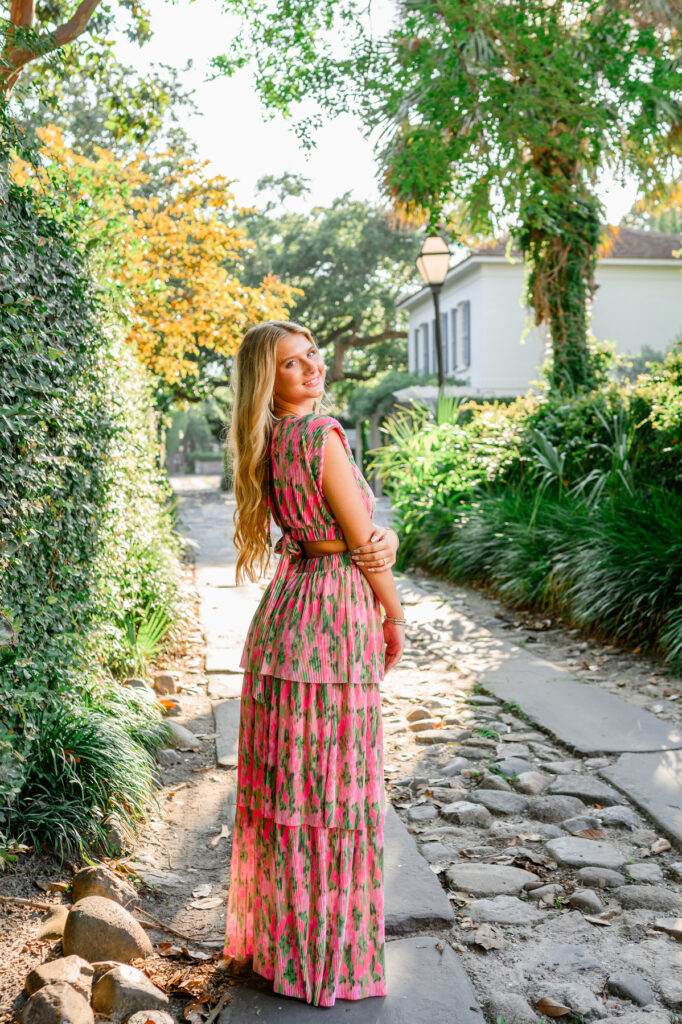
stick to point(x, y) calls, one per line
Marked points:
point(316, 548)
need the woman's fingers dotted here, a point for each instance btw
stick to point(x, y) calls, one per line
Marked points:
point(376, 541)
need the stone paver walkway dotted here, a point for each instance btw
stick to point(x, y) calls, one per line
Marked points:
point(415, 903)
point(514, 860)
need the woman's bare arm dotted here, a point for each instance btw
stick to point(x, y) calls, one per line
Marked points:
point(341, 490)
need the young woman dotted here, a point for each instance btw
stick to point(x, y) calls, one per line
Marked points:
point(306, 878)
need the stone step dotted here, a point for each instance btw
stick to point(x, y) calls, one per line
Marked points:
point(414, 899)
point(224, 685)
point(226, 714)
point(424, 981)
point(654, 783)
point(580, 715)
point(221, 660)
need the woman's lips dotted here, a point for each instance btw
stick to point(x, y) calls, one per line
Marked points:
point(312, 382)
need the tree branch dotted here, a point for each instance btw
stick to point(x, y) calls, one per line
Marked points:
point(336, 333)
point(20, 56)
point(372, 339)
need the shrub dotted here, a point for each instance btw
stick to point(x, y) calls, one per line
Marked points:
point(86, 541)
point(568, 504)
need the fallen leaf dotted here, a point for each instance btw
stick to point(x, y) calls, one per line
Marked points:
point(52, 886)
point(590, 833)
point(223, 834)
point(596, 920)
point(206, 904)
point(531, 837)
point(196, 954)
point(488, 937)
point(660, 846)
point(552, 1008)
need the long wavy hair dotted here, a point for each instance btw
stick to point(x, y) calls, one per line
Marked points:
point(253, 381)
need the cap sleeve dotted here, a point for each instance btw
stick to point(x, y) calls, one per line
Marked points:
point(317, 431)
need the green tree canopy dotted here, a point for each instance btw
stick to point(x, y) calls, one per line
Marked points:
point(43, 32)
point(350, 261)
point(494, 115)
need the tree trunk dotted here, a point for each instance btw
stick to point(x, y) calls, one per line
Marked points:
point(562, 253)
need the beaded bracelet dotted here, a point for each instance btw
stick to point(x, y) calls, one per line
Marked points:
point(398, 622)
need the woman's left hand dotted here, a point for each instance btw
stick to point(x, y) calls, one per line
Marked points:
point(379, 553)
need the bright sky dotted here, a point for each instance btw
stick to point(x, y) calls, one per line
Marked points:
point(233, 132)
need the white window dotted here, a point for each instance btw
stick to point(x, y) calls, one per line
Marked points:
point(444, 340)
point(413, 351)
point(465, 310)
point(453, 339)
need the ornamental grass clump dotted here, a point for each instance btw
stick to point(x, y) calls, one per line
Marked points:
point(571, 506)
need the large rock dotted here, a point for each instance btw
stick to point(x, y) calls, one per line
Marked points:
point(181, 737)
point(577, 996)
point(577, 853)
point(532, 783)
point(646, 871)
point(580, 824)
point(618, 815)
point(512, 1007)
point(466, 813)
point(454, 766)
point(441, 736)
point(499, 802)
point(513, 766)
point(58, 1003)
point(600, 878)
point(555, 808)
point(630, 986)
point(74, 970)
point(671, 992)
point(648, 897)
point(166, 682)
point(100, 929)
point(586, 899)
point(126, 990)
point(101, 967)
point(587, 788)
point(671, 926)
point(98, 880)
point(504, 910)
point(489, 879)
point(52, 926)
point(422, 812)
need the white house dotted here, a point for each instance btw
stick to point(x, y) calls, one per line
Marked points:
point(485, 322)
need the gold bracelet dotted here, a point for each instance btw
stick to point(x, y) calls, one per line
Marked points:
point(398, 622)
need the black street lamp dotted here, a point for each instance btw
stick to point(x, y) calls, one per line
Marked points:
point(433, 262)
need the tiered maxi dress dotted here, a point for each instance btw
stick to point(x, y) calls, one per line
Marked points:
point(306, 892)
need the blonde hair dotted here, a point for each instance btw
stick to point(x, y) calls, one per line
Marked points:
point(253, 381)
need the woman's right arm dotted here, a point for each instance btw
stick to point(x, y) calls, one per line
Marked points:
point(343, 496)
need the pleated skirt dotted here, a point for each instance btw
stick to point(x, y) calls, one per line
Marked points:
point(306, 896)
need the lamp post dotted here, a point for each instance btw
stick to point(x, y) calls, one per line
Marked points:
point(433, 262)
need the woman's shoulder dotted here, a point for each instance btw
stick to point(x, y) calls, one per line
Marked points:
point(311, 428)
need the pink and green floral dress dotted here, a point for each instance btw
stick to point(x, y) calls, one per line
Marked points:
point(306, 876)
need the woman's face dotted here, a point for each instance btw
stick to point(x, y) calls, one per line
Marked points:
point(299, 377)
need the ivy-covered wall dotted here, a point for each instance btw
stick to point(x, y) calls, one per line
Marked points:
point(87, 547)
